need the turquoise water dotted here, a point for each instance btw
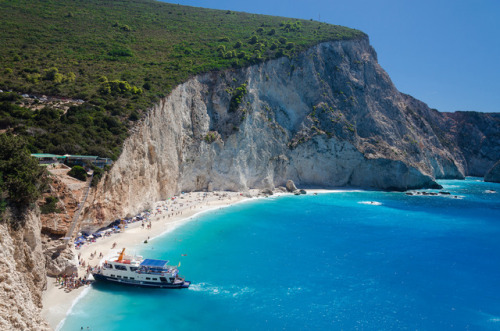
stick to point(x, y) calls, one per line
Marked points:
point(330, 261)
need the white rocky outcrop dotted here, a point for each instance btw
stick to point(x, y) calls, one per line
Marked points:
point(328, 117)
point(61, 259)
point(22, 275)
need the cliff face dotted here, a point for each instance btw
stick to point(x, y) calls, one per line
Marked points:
point(329, 117)
point(22, 276)
point(477, 136)
point(493, 175)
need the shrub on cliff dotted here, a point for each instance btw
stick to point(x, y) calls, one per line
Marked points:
point(98, 173)
point(50, 206)
point(211, 136)
point(237, 97)
point(78, 172)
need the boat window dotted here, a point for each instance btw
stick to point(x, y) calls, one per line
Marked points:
point(147, 278)
point(112, 275)
point(118, 276)
point(155, 278)
point(120, 267)
point(125, 277)
point(108, 266)
point(133, 268)
point(132, 278)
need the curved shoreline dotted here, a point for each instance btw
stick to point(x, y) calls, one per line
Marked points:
point(57, 303)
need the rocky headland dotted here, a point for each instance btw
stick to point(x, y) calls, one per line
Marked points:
point(329, 117)
point(493, 175)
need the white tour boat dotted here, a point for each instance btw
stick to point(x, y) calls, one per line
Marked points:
point(136, 271)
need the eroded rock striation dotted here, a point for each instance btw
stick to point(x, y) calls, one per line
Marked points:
point(329, 117)
point(22, 275)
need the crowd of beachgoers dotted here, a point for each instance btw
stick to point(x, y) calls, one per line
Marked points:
point(167, 209)
point(93, 248)
point(120, 225)
point(70, 282)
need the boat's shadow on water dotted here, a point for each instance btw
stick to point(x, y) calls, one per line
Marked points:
point(128, 290)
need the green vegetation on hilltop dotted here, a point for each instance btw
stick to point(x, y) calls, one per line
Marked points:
point(21, 178)
point(122, 55)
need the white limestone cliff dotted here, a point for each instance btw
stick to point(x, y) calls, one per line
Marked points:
point(22, 275)
point(328, 117)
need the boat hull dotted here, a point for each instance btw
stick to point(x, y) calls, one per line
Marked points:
point(128, 282)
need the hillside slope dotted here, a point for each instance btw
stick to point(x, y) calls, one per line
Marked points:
point(120, 56)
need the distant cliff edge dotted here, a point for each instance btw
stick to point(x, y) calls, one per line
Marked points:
point(493, 175)
point(329, 117)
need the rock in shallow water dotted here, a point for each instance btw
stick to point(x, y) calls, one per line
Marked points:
point(290, 186)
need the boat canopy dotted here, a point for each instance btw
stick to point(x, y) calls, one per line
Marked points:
point(151, 263)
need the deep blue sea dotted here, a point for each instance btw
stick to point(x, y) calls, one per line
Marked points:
point(359, 260)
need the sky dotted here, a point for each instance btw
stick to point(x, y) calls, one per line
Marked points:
point(444, 52)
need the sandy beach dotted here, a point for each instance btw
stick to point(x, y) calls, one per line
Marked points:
point(57, 301)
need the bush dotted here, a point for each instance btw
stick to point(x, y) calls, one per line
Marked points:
point(78, 172)
point(21, 178)
point(50, 206)
point(9, 96)
point(118, 87)
point(237, 97)
point(211, 136)
point(121, 52)
point(98, 173)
